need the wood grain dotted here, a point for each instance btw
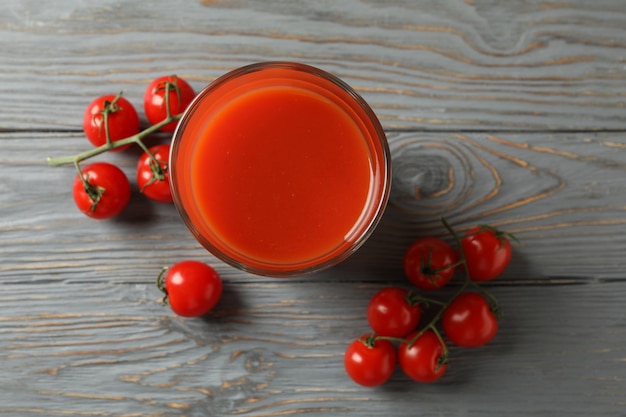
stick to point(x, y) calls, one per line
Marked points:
point(508, 113)
point(553, 191)
point(113, 350)
point(435, 65)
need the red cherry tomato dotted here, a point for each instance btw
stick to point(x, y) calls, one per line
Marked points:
point(487, 252)
point(180, 95)
point(424, 360)
point(153, 177)
point(430, 263)
point(469, 321)
point(122, 118)
point(107, 193)
point(391, 312)
point(192, 288)
point(370, 362)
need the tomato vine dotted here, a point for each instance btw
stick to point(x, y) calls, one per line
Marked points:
point(111, 123)
point(468, 318)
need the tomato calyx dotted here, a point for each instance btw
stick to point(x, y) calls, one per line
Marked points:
point(370, 365)
point(501, 235)
point(158, 172)
point(494, 307)
point(167, 86)
point(94, 192)
point(430, 271)
point(108, 108)
point(158, 168)
point(160, 283)
point(370, 340)
point(442, 360)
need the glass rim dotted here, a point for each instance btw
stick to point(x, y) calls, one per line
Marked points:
point(375, 206)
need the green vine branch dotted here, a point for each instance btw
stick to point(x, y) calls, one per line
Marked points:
point(111, 107)
point(443, 305)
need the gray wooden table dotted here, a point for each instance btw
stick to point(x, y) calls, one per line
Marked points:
point(509, 113)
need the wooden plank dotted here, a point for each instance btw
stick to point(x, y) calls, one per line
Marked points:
point(100, 349)
point(440, 65)
point(509, 114)
point(561, 194)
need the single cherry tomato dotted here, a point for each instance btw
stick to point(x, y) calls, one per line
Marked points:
point(105, 191)
point(425, 360)
point(430, 263)
point(122, 120)
point(153, 174)
point(180, 95)
point(370, 361)
point(487, 252)
point(192, 288)
point(391, 312)
point(469, 321)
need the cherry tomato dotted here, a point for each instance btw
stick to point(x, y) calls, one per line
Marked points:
point(430, 263)
point(369, 361)
point(391, 312)
point(153, 177)
point(487, 252)
point(181, 94)
point(192, 288)
point(425, 359)
point(122, 118)
point(469, 321)
point(107, 192)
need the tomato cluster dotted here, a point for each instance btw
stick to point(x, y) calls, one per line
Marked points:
point(111, 123)
point(469, 318)
point(102, 190)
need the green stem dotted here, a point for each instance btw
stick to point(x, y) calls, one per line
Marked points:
point(431, 324)
point(443, 359)
point(155, 166)
point(459, 244)
point(160, 283)
point(94, 192)
point(80, 172)
point(444, 305)
point(492, 300)
point(446, 268)
point(168, 87)
point(146, 150)
point(415, 298)
point(390, 338)
point(109, 107)
point(137, 139)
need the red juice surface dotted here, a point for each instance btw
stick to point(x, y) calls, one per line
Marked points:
point(280, 175)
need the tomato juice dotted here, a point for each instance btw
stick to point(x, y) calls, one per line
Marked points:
point(280, 169)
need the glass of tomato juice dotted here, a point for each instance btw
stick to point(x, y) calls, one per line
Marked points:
point(280, 169)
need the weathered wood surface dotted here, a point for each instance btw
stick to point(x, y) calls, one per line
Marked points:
point(511, 114)
point(436, 64)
